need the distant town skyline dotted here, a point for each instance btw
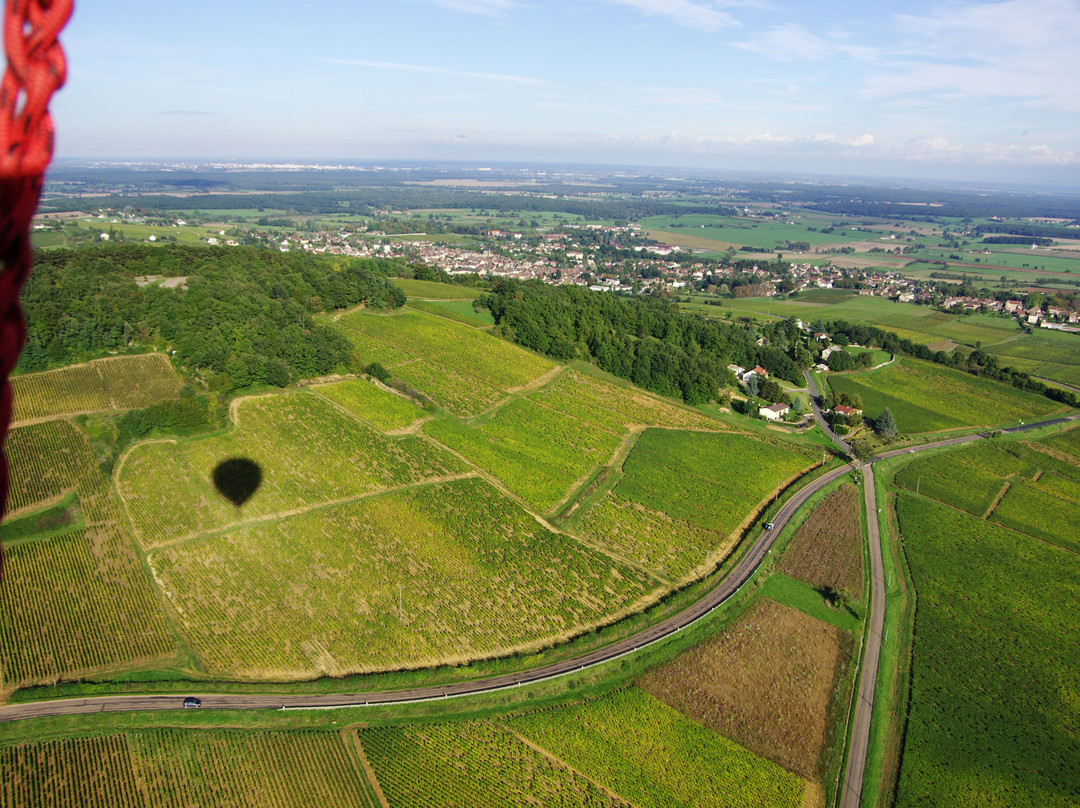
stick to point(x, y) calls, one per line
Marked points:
point(956, 91)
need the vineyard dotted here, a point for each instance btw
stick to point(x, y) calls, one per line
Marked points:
point(461, 368)
point(710, 481)
point(536, 451)
point(382, 409)
point(433, 290)
point(924, 397)
point(766, 681)
point(651, 539)
point(995, 713)
point(827, 549)
point(119, 383)
point(309, 453)
point(78, 601)
point(460, 310)
point(475, 764)
point(1031, 487)
point(431, 575)
point(655, 757)
point(179, 768)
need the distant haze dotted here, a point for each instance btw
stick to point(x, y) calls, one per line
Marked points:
point(971, 91)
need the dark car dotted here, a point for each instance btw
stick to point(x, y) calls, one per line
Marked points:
point(191, 701)
point(768, 525)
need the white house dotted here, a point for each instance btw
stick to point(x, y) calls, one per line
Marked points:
point(774, 412)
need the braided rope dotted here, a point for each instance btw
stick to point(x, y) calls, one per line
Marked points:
point(35, 69)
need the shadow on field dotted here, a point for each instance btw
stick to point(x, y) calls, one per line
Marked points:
point(237, 479)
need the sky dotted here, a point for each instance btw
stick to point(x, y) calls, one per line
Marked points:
point(974, 91)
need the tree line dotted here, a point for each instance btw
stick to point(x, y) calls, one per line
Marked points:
point(243, 317)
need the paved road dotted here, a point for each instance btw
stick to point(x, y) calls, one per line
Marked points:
point(234, 701)
point(815, 398)
point(710, 601)
point(864, 708)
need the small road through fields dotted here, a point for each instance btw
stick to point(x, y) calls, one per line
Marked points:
point(713, 598)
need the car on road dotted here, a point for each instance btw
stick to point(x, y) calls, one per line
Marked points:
point(191, 701)
point(768, 525)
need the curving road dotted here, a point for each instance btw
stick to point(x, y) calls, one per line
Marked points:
point(712, 599)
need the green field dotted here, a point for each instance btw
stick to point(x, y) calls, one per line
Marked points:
point(764, 234)
point(460, 310)
point(995, 708)
point(119, 383)
point(309, 452)
point(430, 290)
point(1048, 354)
point(380, 408)
point(476, 764)
point(464, 370)
point(925, 397)
point(77, 600)
point(175, 768)
point(655, 757)
point(433, 575)
point(668, 471)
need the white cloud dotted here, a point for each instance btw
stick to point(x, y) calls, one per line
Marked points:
point(705, 16)
point(504, 78)
point(1015, 50)
point(792, 42)
point(477, 6)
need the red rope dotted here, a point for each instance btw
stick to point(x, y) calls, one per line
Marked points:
point(35, 70)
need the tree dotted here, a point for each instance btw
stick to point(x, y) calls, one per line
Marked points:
point(752, 385)
point(885, 426)
point(863, 450)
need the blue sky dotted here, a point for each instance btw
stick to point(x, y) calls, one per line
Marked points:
point(954, 90)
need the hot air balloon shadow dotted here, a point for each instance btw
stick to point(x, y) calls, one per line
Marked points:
point(237, 479)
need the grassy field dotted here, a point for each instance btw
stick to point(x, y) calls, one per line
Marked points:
point(462, 369)
point(381, 408)
point(668, 471)
point(476, 764)
point(925, 397)
point(1051, 355)
point(433, 575)
point(176, 768)
point(119, 383)
point(460, 310)
point(430, 290)
point(655, 757)
point(78, 600)
point(827, 549)
point(995, 709)
point(309, 453)
point(767, 681)
point(740, 231)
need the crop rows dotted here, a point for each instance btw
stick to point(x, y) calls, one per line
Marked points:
point(994, 717)
point(1041, 515)
point(308, 451)
point(120, 383)
point(950, 480)
point(80, 600)
point(438, 573)
point(474, 764)
point(85, 772)
point(766, 681)
point(614, 407)
point(463, 369)
point(536, 451)
point(383, 410)
point(653, 540)
point(655, 757)
point(708, 480)
point(827, 549)
point(180, 768)
point(924, 397)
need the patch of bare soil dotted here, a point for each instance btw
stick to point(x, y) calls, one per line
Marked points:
point(767, 682)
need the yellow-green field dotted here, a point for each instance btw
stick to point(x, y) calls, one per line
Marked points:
point(119, 383)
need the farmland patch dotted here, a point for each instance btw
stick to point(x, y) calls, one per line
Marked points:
point(827, 549)
point(655, 757)
point(382, 409)
point(766, 681)
point(120, 383)
point(431, 575)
